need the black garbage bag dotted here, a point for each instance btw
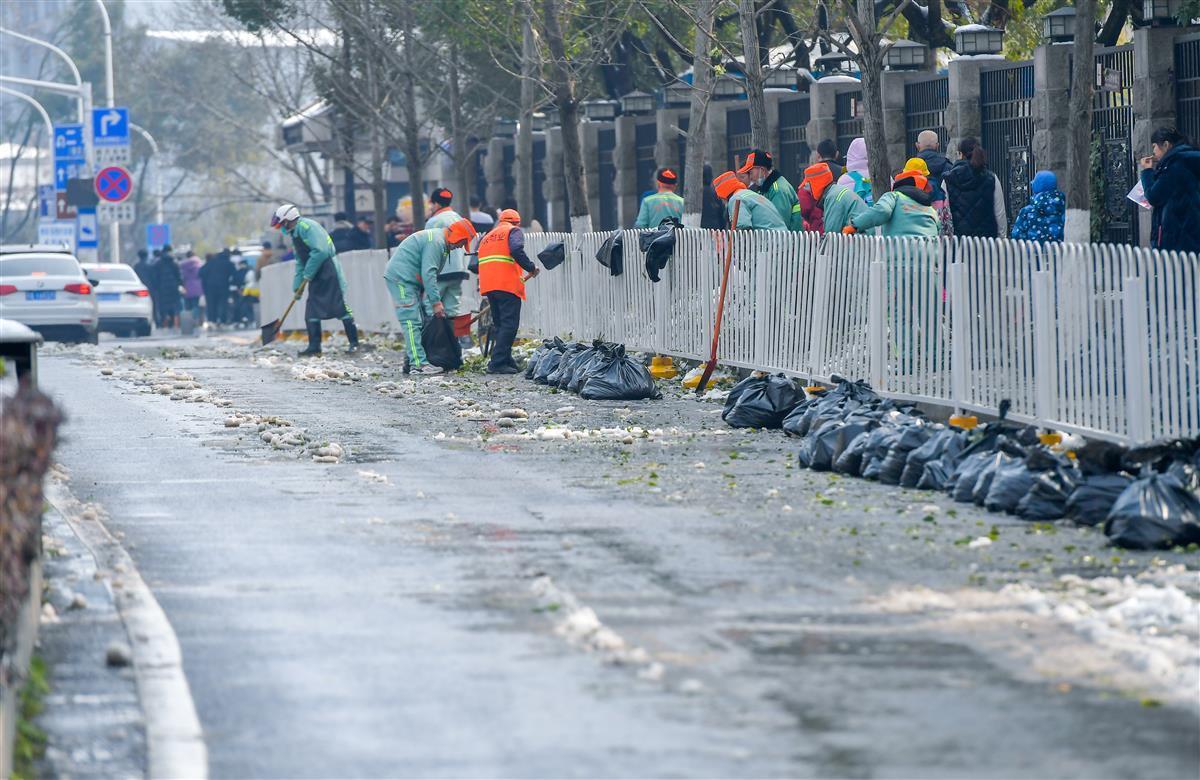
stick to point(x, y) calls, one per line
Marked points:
point(881, 442)
point(1047, 499)
point(760, 402)
point(555, 377)
point(966, 474)
point(659, 246)
point(945, 444)
point(936, 475)
point(1154, 513)
point(1187, 473)
point(538, 354)
point(549, 362)
point(1093, 498)
point(822, 447)
point(553, 255)
point(989, 440)
point(1014, 480)
point(572, 362)
point(838, 402)
point(850, 461)
point(896, 459)
point(440, 344)
point(612, 254)
point(619, 378)
point(589, 363)
point(987, 475)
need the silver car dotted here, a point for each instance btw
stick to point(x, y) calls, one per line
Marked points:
point(45, 289)
point(125, 305)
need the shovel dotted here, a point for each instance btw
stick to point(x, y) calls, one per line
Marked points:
point(270, 331)
point(712, 360)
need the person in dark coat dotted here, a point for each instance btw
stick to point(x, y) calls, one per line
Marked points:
point(215, 277)
point(976, 197)
point(347, 237)
point(145, 274)
point(1171, 180)
point(167, 281)
point(712, 211)
point(827, 152)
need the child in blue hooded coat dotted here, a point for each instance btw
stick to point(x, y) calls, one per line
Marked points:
point(1042, 218)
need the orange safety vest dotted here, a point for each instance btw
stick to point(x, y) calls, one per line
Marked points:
point(497, 268)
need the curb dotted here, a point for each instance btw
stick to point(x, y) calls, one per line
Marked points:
point(26, 636)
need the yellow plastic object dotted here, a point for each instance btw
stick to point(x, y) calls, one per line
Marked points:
point(814, 390)
point(661, 367)
point(964, 421)
point(1050, 438)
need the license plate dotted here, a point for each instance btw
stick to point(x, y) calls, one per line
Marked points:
point(108, 296)
point(40, 295)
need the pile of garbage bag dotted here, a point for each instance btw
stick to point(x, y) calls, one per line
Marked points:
point(599, 372)
point(1145, 498)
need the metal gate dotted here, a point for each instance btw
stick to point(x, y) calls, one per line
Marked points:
point(606, 171)
point(539, 179)
point(1112, 125)
point(793, 138)
point(1187, 86)
point(1006, 109)
point(925, 104)
point(644, 138)
point(847, 118)
point(737, 137)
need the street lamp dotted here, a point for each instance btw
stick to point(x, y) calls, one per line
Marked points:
point(727, 87)
point(1059, 26)
point(504, 128)
point(675, 95)
point(781, 78)
point(1161, 13)
point(537, 122)
point(600, 110)
point(834, 63)
point(158, 190)
point(637, 103)
point(37, 171)
point(978, 39)
point(905, 55)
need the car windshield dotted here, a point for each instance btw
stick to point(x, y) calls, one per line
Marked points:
point(39, 265)
point(110, 273)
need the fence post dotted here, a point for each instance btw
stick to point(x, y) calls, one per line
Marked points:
point(1137, 360)
point(1045, 359)
point(820, 313)
point(960, 335)
point(765, 316)
point(876, 320)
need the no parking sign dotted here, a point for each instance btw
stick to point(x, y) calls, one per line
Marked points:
point(157, 236)
point(114, 184)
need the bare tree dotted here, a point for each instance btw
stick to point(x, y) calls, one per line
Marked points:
point(697, 139)
point(562, 84)
point(1083, 75)
point(752, 68)
point(524, 156)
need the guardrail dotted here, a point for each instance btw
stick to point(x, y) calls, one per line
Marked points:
point(1102, 340)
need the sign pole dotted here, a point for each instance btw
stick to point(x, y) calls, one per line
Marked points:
point(114, 250)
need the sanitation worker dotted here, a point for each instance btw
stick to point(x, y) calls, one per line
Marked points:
point(837, 204)
point(760, 173)
point(664, 204)
point(411, 276)
point(316, 263)
point(755, 212)
point(501, 260)
point(454, 271)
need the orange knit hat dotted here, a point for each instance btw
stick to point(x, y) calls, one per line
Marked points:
point(726, 184)
point(460, 231)
point(817, 177)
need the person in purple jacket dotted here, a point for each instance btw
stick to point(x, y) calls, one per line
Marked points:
point(189, 270)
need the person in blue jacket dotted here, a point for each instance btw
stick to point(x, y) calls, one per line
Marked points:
point(1042, 218)
point(1171, 180)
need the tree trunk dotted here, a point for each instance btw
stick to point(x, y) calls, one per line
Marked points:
point(697, 138)
point(524, 154)
point(870, 63)
point(759, 137)
point(412, 130)
point(378, 186)
point(1083, 77)
point(568, 111)
point(458, 138)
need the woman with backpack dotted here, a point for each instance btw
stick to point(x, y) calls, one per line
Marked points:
point(976, 197)
point(1171, 180)
point(857, 177)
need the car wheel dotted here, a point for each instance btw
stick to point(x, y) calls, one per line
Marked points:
point(143, 330)
point(91, 337)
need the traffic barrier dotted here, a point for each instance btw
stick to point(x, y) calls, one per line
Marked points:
point(1101, 340)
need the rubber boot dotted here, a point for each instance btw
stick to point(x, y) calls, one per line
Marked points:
point(351, 335)
point(314, 339)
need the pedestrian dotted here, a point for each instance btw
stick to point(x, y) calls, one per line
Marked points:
point(193, 288)
point(836, 205)
point(502, 257)
point(452, 272)
point(754, 212)
point(317, 264)
point(827, 152)
point(366, 232)
point(904, 211)
point(415, 262)
point(1171, 180)
point(1043, 217)
point(167, 282)
point(857, 176)
point(145, 274)
point(214, 277)
point(346, 236)
point(976, 197)
point(940, 205)
point(664, 204)
point(759, 168)
point(936, 165)
point(712, 210)
point(480, 220)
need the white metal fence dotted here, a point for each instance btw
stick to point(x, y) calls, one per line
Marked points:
point(1096, 339)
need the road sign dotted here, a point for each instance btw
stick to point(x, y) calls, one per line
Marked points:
point(89, 231)
point(112, 155)
point(66, 169)
point(110, 127)
point(157, 236)
point(47, 208)
point(121, 213)
point(63, 208)
point(81, 193)
point(68, 142)
point(113, 184)
point(56, 233)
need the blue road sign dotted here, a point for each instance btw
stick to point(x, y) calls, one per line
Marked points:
point(68, 142)
point(110, 126)
point(89, 232)
point(114, 184)
point(157, 236)
point(66, 169)
point(47, 208)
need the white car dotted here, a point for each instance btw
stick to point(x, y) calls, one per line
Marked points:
point(125, 305)
point(45, 289)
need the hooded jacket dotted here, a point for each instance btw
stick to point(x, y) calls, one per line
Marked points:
point(857, 171)
point(1043, 217)
point(905, 211)
point(455, 266)
point(976, 201)
point(938, 164)
point(415, 263)
point(189, 270)
point(313, 248)
point(1173, 189)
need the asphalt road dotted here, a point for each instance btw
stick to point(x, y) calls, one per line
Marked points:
point(450, 606)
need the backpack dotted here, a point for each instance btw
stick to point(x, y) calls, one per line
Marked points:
point(862, 187)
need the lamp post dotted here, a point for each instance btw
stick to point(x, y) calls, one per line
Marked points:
point(1059, 26)
point(504, 128)
point(781, 78)
point(905, 55)
point(158, 192)
point(1161, 13)
point(978, 39)
point(637, 103)
point(37, 168)
point(600, 110)
point(675, 95)
point(834, 63)
point(66, 58)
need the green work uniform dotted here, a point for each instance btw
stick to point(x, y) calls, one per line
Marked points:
point(657, 207)
point(840, 205)
point(899, 215)
point(454, 271)
point(782, 196)
point(755, 212)
point(415, 261)
point(316, 262)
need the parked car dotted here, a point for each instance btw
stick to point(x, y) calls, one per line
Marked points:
point(124, 302)
point(45, 288)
